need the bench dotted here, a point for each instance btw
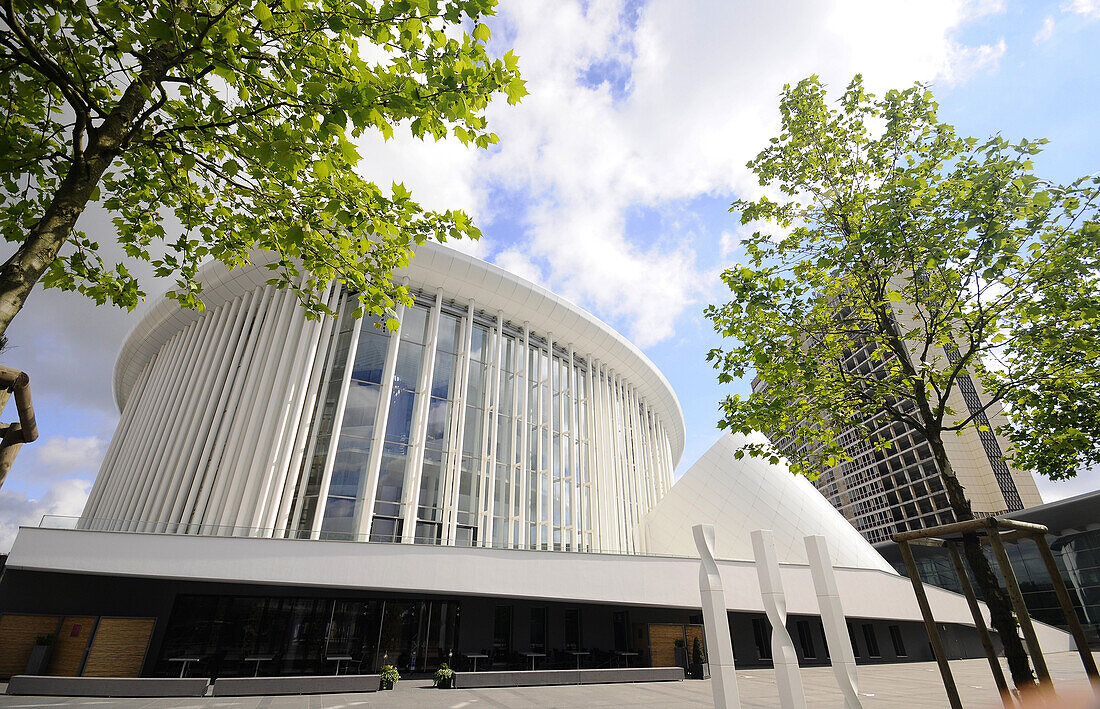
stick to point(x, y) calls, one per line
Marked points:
point(320, 684)
point(528, 678)
point(41, 686)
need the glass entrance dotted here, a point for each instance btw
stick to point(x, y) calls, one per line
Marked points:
point(416, 636)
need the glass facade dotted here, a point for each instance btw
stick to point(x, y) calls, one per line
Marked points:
point(460, 428)
point(1077, 555)
point(246, 635)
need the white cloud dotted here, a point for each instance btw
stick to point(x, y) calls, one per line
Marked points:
point(65, 498)
point(730, 242)
point(66, 455)
point(1046, 31)
point(1085, 8)
point(637, 112)
point(632, 108)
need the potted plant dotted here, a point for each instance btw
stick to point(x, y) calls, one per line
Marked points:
point(679, 652)
point(40, 655)
point(444, 677)
point(695, 669)
point(389, 677)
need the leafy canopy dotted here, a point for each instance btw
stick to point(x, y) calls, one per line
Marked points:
point(248, 112)
point(903, 262)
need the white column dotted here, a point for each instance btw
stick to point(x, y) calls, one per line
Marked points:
point(410, 487)
point(211, 412)
point(285, 443)
point(492, 413)
point(573, 443)
point(716, 628)
point(161, 429)
point(483, 471)
point(524, 475)
point(603, 442)
point(622, 487)
point(227, 478)
point(547, 461)
point(302, 415)
point(381, 420)
point(240, 457)
point(338, 422)
point(308, 432)
point(268, 470)
point(454, 467)
point(209, 462)
point(787, 676)
point(138, 471)
point(832, 618)
point(183, 440)
point(595, 510)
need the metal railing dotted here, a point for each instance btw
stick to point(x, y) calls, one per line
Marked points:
point(94, 524)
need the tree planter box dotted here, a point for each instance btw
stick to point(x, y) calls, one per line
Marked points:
point(39, 659)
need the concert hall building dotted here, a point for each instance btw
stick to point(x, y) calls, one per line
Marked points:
point(492, 482)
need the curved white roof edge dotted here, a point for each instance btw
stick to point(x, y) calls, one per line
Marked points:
point(463, 277)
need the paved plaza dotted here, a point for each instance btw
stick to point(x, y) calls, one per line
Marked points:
point(911, 685)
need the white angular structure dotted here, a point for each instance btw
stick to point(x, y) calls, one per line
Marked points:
point(716, 622)
point(741, 496)
point(833, 621)
point(788, 677)
point(497, 415)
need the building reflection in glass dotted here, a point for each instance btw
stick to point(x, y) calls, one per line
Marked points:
point(246, 635)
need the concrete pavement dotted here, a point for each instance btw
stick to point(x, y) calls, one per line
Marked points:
point(913, 685)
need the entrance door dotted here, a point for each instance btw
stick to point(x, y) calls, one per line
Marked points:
point(416, 636)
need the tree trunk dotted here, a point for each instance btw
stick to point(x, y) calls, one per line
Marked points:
point(1001, 615)
point(20, 272)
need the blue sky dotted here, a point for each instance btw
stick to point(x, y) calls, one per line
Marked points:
point(612, 180)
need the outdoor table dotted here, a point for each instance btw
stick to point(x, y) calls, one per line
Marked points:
point(258, 659)
point(338, 659)
point(578, 654)
point(533, 655)
point(184, 662)
point(475, 656)
point(625, 656)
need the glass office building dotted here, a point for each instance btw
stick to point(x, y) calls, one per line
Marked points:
point(1074, 525)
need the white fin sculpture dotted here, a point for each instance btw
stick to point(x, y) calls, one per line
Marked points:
point(832, 617)
point(787, 676)
point(716, 626)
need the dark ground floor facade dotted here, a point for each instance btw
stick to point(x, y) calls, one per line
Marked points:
point(105, 625)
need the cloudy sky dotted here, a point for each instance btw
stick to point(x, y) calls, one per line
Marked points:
point(612, 180)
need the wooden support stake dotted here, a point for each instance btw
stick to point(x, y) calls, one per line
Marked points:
point(1022, 616)
point(1072, 620)
point(979, 623)
point(930, 625)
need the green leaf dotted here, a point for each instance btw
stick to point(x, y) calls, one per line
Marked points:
point(255, 150)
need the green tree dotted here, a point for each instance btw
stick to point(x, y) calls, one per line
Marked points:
point(904, 265)
point(235, 117)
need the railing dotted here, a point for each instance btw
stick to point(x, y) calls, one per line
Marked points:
point(94, 524)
